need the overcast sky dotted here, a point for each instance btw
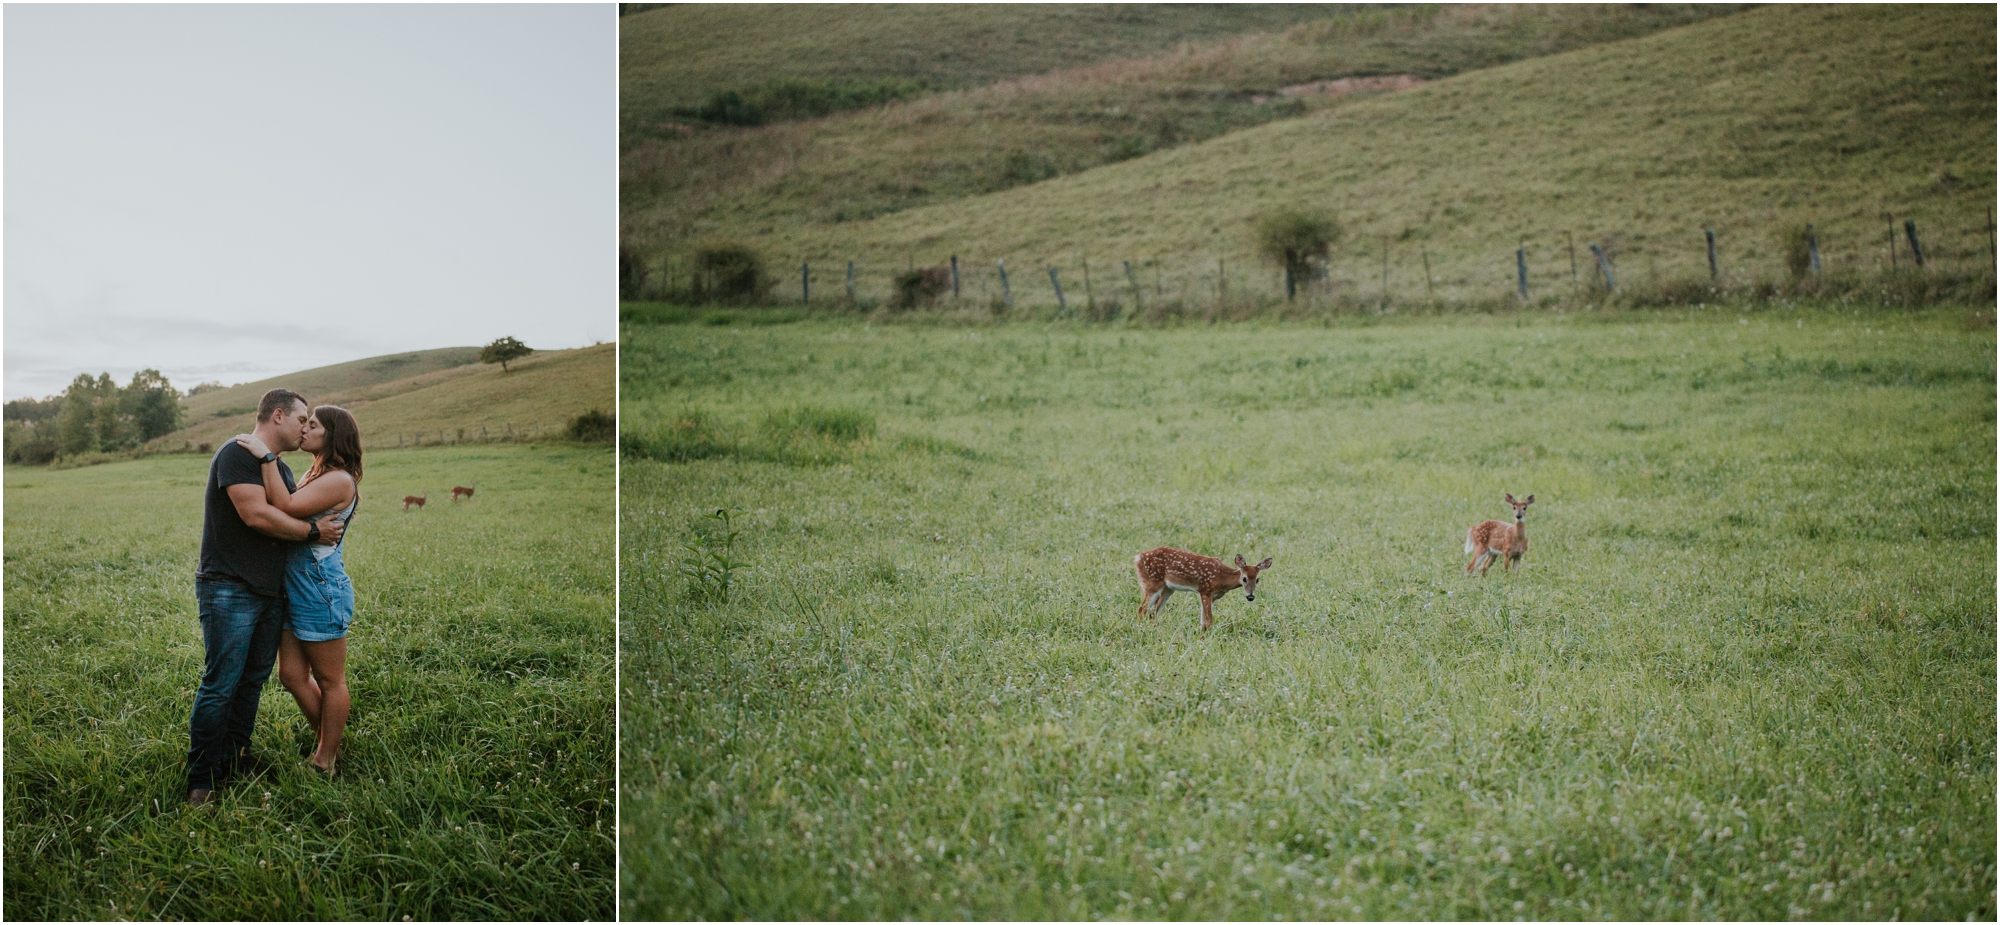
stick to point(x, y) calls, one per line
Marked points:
point(231, 192)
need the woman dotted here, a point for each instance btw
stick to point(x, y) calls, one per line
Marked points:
point(312, 652)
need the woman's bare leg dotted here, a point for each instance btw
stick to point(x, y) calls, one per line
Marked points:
point(329, 668)
point(296, 674)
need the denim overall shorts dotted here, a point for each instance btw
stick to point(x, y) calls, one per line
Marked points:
point(319, 598)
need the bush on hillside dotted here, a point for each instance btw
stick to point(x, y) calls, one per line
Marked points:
point(922, 288)
point(592, 426)
point(729, 272)
point(1296, 240)
point(631, 273)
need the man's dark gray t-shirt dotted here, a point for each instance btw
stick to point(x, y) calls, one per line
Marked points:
point(230, 549)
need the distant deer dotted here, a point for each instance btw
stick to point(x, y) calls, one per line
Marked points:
point(1164, 570)
point(417, 500)
point(457, 490)
point(1491, 539)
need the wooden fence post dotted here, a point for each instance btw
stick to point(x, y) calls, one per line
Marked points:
point(850, 282)
point(1221, 278)
point(954, 276)
point(1916, 250)
point(1428, 293)
point(1892, 242)
point(1604, 264)
point(1521, 271)
point(805, 284)
point(1572, 259)
point(1812, 247)
point(1089, 298)
point(1713, 272)
point(1056, 282)
point(1384, 304)
point(1290, 285)
point(1137, 303)
point(1006, 292)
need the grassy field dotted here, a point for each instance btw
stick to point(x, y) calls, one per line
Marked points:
point(472, 402)
point(478, 776)
point(1127, 99)
point(1753, 124)
point(1748, 671)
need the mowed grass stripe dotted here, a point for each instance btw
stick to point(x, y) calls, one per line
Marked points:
point(1746, 674)
point(477, 779)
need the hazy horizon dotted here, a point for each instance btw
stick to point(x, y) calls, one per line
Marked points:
point(230, 193)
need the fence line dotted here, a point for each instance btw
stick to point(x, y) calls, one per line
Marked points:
point(1360, 271)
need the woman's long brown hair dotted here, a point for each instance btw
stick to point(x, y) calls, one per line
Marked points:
point(343, 444)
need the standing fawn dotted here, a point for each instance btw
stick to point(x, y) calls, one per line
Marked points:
point(417, 500)
point(1492, 539)
point(1164, 570)
point(457, 490)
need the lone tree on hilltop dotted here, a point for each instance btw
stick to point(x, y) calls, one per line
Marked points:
point(503, 350)
point(1294, 238)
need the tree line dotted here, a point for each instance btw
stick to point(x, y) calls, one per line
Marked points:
point(93, 415)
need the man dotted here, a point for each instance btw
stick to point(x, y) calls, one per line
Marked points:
point(239, 589)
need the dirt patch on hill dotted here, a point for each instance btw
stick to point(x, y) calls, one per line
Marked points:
point(1345, 85)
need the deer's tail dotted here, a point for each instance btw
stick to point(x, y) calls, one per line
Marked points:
point(1468, 539)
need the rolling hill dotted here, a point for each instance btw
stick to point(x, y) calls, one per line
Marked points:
point(1753, 124)
point(340, 377)
point(538, 395)
point(678, 55)
point(1022, 123)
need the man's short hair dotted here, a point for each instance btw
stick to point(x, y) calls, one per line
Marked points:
point(275, 401)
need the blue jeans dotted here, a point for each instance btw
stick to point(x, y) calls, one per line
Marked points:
point(239, 640)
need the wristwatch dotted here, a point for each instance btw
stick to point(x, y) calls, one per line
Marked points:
point(312, 535)
point(268, 457)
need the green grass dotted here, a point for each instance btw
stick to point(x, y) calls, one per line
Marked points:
point(1754, 124)
point(478, 776)
point(1748, 671)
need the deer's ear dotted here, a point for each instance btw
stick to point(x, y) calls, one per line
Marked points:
point(1239, 561)
point(1510, 497)
point(1264, 564)
point(1531, 500)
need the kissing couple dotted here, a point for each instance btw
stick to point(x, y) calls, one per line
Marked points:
point(270, 585)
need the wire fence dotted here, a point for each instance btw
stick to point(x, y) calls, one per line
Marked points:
point(1379, 272)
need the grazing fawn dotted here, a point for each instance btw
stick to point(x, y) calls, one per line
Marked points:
point(1492, 539)
point(417, 500)
point(1164, 570)
point(457, 490)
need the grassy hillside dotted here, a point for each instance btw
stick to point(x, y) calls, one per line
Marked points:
point(679, 55)
point(952, 146)
point(540, 394)
point(1751, 124)
point(340, 377)
point(1746, 674)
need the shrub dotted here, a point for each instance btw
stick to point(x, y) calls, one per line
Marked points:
point(921, 288)
point(592, 426)
point(631, 273)
point(1296, 239)
point(728, 271)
